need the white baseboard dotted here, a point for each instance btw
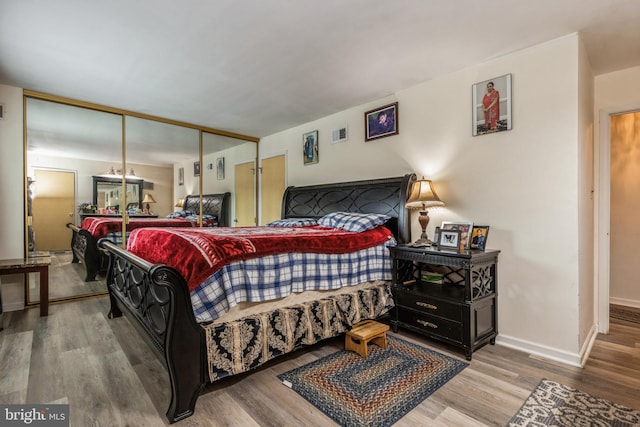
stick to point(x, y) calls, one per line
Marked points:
point(625, 302)
point(12, 306)
point(562, 356)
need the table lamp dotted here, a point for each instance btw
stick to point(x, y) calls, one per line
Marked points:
point(148, 198)
point(423, 196)
point(180, 203)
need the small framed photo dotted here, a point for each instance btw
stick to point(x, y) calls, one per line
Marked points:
point(220, 167)
point(381, 122)
point(464, 227)
point(492, 105)
point(196, 168)
point(310, 147)
point(449, 239)
point(479, 237)
point(436, 235)
point(181, 176)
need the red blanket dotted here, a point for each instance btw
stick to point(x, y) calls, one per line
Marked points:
point(99, 227)
point(198, 253)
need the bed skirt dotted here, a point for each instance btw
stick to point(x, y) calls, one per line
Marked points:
point(245, 344)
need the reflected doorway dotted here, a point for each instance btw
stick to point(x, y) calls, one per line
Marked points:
point(53, 206)
point(245, 195)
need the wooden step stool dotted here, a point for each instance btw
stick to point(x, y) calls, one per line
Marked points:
point(364, 332)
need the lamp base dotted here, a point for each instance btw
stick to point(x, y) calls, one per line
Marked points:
point(423, 219)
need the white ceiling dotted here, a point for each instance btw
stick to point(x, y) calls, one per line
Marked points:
point(257, 67)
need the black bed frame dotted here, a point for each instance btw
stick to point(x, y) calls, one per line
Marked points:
point(156, 298)
point(85, 247)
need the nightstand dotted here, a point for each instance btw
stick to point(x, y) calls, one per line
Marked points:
point(446, 295)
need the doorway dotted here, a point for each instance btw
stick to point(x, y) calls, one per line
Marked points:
point(273, 182)
point(604, 248)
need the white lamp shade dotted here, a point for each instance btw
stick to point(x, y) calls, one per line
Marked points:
point(423, 196)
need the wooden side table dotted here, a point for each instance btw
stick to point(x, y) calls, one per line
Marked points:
point(37, 264)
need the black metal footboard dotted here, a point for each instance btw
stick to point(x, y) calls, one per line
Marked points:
point(85, 250)
point(156, 300)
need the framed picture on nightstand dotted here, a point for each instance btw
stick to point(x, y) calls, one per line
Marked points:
point(464, 227)
point(449, 239)
point(479, 237)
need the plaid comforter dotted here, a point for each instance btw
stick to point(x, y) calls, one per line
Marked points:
point(277, 276)
point(227, 265)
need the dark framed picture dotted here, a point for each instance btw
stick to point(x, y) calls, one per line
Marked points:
point(479, 237)
point(196, 168)
point(463, 226)
point(181, 176)
point(220, 167)
point(381, 122)
point(310, 147)
point(492, 105)
point(449, 239)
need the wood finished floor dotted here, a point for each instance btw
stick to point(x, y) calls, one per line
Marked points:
point(110, 378)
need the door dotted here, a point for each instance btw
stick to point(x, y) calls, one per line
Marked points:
point(53, 206)
point(245, 190)
point(272, 186)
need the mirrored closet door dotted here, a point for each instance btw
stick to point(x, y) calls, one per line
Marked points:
point(85, 161)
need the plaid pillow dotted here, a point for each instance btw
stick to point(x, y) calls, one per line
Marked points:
point(293, 222)
point(354, 222)
point(180, 214)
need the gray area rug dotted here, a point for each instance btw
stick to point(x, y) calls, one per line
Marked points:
point(624, 313)
point(555, 404)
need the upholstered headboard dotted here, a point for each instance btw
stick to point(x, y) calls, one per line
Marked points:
point(212, 204)
point(384, 196)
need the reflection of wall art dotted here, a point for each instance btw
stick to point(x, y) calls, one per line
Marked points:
point(181, 176)
point(492, 105)
point(220, 167)
point(381, 122)
point(196, 168)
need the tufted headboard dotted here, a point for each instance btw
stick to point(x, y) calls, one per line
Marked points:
point(385, 196)
point(212, 204)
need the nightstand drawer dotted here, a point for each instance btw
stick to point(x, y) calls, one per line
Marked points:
point(431, 306)
point(431, 324)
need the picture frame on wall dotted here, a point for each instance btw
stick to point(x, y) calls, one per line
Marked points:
point(381, 122)
point(196, 168)
point(181, 176)
point(464, 227)
point(310, 150)
point(220, 167)
point(479, 237)
point(449, 239)
point(491, 103)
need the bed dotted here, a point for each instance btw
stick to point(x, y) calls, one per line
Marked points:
point(157, 298)
point(84, 238)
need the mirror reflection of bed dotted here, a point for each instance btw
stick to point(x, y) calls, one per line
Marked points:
point(65, 137)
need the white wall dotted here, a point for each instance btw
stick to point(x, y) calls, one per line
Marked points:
point(586, 290)
point(12, 227)
point(523, 183)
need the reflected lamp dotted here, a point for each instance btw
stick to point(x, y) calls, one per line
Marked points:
point(148, 198)
point(423, 196)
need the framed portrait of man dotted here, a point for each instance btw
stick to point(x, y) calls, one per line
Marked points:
point(381, 122)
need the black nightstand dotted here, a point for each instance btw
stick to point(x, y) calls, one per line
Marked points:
point(461, 310)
